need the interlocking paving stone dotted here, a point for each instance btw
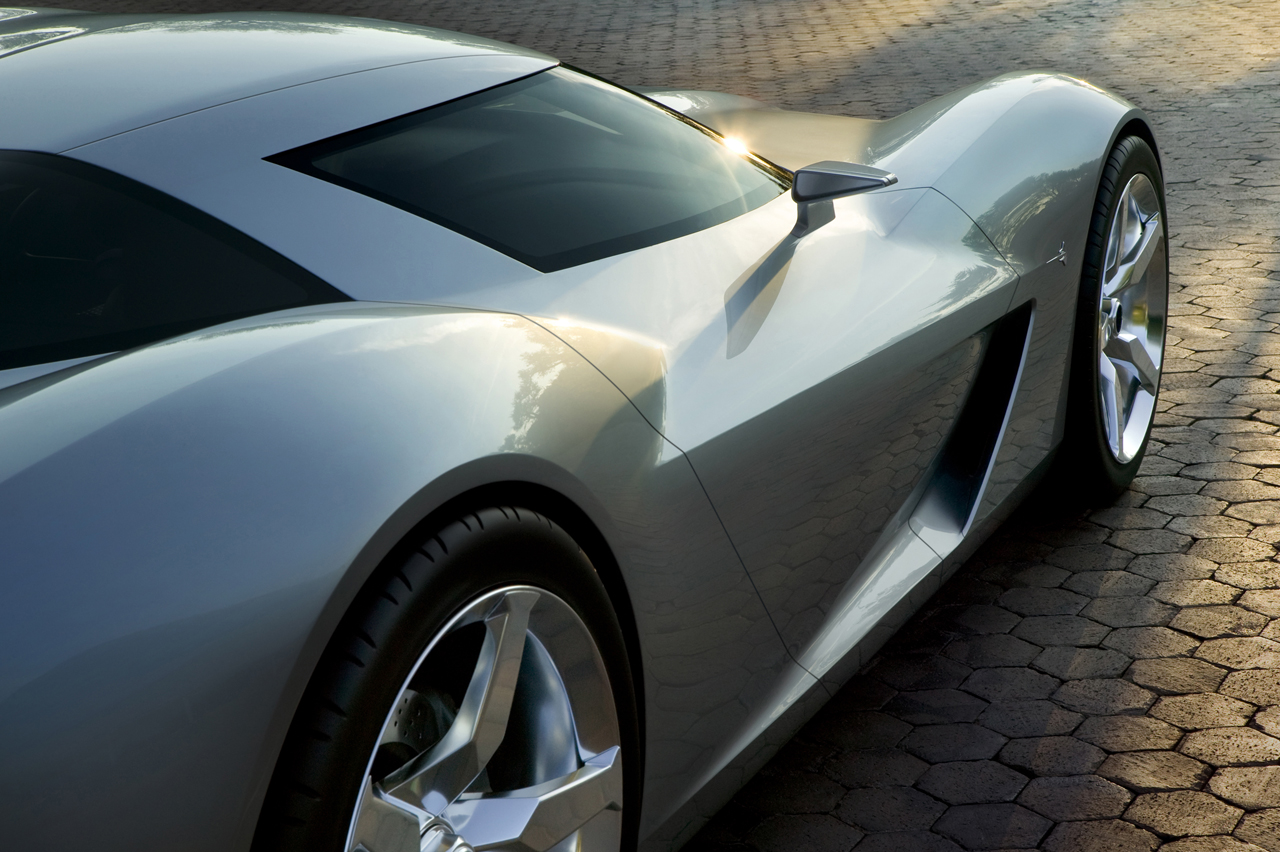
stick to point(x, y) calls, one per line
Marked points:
point(1207, 710)
point(1105, 584)
point(889, 809)
point(1094, 557)
point(1194, 592)
point(1070, 663)
point(939, 743)
point(1037, 601)
point(1268, 721)
point(1039, 576)
point(1219, 471)
point(1210, 526)
point(1150, 541)
point(987, 619)
point(1129, 612)
point(993, 650)
point(972, 782)
point(1103, 696)
point(1262, 512)
point(1150, 642)
point(1217, 843)
point(1250, 787)
point(1052, 756)
point(1110, 835)
point(1000, 826)
point(1128, 733)
point(1261, 828)
point(1183, 812)
point(935, 706)
point(1165, 485)
point(1231, 747)
point(1010, 684)
point(1251, 652)
point(1232, 550)
point(1075, 797)
point(1250, 575)
point(1189, 504)
point(1265, 601)
point(1218, 622)
point(1173, 566)
point(1154, 771)
point(1207, 78)
point(1256, 686)
point(1047, 630)
point(815, 832)
point(792, 792)
point(1129, 518)
point(875, 768)
point(1176, 675)
point(1029, 718)
point(899, 841)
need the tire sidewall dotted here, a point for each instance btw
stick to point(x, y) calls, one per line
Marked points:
point(1088, 449)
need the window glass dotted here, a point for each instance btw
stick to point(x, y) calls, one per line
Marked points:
point(91, 262)
point(554, 170)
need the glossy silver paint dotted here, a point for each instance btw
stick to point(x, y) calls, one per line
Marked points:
point(194, 517)
point(165, 623)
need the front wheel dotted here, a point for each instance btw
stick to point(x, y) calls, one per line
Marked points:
point(1118, 344)
point(476, 698)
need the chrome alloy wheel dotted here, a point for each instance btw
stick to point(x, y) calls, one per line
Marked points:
point(518, 750)
point(1131, 308)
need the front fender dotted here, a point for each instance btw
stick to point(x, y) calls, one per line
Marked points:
point(1021, 155)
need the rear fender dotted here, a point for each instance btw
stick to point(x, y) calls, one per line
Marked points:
point(185, 523)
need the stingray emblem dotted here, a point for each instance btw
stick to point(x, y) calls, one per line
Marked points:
point(1061, 256)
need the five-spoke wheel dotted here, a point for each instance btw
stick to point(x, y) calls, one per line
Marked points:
point(477, 698)
point(558, 780)
point(1131, 305)
point(1118, 347)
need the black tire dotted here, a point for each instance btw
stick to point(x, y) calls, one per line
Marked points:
point(320, 772)
point(1086, 472)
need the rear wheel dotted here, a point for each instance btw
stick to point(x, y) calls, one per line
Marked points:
point(1118, 347)
point(477, 697)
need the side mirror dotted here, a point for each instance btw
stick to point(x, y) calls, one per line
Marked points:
point(814, 187)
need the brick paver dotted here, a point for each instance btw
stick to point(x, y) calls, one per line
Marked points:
point(1114, 674)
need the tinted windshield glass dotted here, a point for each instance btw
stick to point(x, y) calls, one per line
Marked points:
point(91, 262)
point(554, 170)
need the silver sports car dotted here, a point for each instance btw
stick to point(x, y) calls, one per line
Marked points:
point(409, 443)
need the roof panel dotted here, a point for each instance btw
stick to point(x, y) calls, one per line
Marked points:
point(68, 89)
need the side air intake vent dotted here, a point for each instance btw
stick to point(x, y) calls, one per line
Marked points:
point(951, 497)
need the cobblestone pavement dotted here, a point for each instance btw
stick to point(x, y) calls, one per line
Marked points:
point(1107, 682)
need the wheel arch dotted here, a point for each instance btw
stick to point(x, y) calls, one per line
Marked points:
point(524, 481)
point(1136, 124)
